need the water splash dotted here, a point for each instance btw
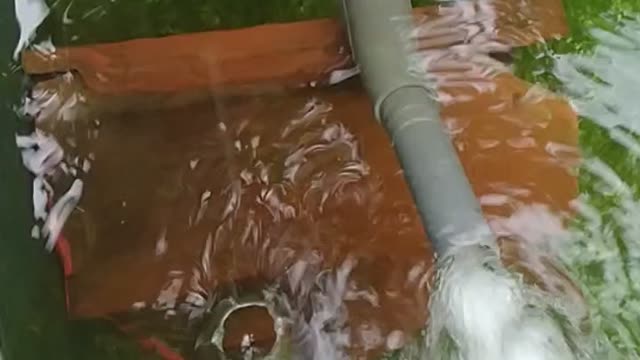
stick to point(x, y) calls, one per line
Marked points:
point(30, 14)
point(481, 311)
point(602, 81)
point(325, 335)
point(603, 84)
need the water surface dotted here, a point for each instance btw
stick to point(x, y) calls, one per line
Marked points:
point(178, 205)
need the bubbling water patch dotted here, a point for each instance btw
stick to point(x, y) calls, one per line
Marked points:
point(479, 310)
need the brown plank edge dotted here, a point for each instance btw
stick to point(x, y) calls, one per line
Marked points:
point(284, 55)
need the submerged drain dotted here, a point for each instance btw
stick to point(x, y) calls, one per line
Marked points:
point(250, 329)
point(245, 328)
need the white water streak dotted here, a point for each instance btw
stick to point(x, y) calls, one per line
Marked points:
point(489, 314)
point(30, 14)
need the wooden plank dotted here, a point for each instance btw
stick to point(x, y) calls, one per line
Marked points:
point(288, 55)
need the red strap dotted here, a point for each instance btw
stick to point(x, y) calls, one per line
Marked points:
point(63, 249)
point(160, 348)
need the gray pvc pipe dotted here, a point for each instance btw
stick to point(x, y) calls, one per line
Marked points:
point(406, 106)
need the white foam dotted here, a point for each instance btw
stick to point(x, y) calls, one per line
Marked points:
point(489, 313)
point(30, 14)
point(60, 212)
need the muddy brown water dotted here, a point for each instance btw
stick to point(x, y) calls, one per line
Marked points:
point(235, 190)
